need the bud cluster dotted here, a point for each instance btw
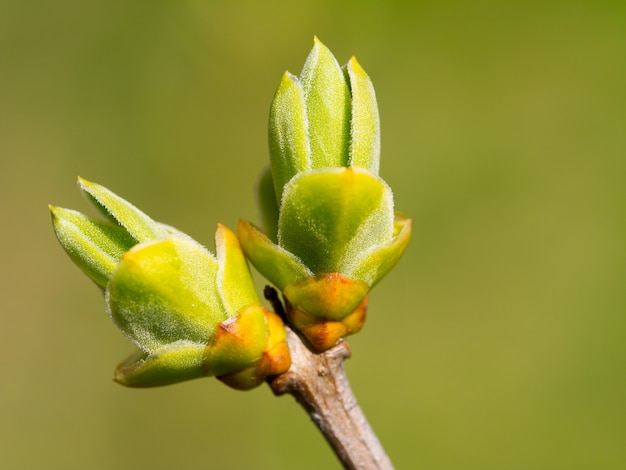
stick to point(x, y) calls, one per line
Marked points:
point(330, 234)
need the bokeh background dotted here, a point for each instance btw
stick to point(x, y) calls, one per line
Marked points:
point(499, 340)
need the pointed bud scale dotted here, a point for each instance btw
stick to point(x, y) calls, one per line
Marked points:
point(288, 132)
point(164, 291)
point(278, 265)
point(234, 282)
point(329, 296)
point(323, 334)
point(327, 307)
point(138, 224)
point(173, 363)
point(95, 247)
point(379, 261)
point(327, 101)
point(190, 313)
point(365, 123)
point(268, 206)
point(274, 361)
point(238, 342)
point(330, 218)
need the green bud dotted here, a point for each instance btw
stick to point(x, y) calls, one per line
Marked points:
point(331, 232)
point(327, 117)
point(94, 246)
point(190, 313)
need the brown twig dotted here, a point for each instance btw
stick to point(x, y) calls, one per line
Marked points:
point(319, 383)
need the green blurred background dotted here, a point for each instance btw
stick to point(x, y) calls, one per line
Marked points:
point(499, 340)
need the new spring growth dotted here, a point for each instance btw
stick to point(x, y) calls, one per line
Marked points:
point(330, 230)
point(189, 312)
